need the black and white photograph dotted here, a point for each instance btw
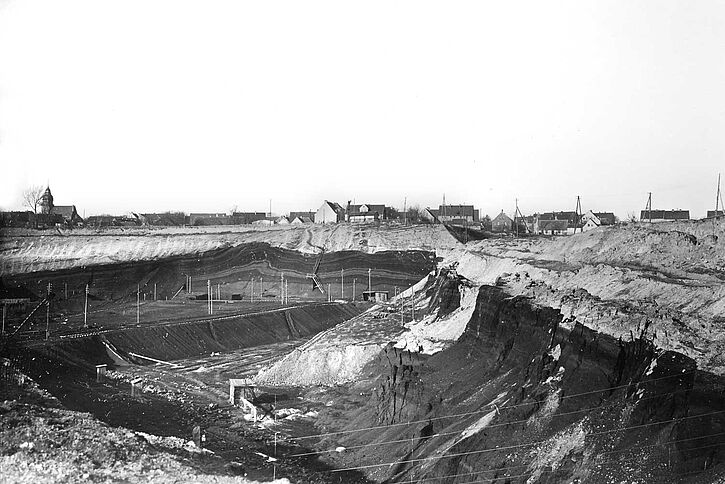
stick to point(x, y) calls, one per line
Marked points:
point(374, 242)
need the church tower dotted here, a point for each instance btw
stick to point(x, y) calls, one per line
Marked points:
point(46, 201)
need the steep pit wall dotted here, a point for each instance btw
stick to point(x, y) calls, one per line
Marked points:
point(232, 269)
point(522, 398)
point(183, 340)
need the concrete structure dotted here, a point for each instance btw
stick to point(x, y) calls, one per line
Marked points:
point(663, 215)
point(502, 223)
point(376, 296)
point(329, 213)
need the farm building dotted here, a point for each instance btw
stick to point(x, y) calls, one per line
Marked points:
point(246, 218)
point(457, 214)
point(329, 213)
point(209, 219)
point(552, 227)
point(663, 215)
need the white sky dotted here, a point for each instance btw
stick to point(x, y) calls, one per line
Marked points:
point(203, 105)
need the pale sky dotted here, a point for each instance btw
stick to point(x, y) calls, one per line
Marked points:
point(205, 105)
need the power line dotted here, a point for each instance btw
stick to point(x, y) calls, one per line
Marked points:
point(517, 446)
point(475, 412)
point(502, 424)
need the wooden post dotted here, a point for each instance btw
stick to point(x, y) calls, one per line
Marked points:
point(47, 312)
point(154, 291)
point(281, 289)
point(370, 280)
point(5, 310)
point(138, 303)
point(353, 288)
point(342, 283)
point(85, 310)
point(251, 297)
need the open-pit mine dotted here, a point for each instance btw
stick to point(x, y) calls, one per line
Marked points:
point(363, 353)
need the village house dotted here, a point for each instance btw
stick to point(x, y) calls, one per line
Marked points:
point(366, 212)
point(301, 220)
point(502, 223)
point(592, 220)
point(330, 213)
point(246, 218)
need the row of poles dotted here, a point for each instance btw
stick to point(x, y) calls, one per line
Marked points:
point(284, 296)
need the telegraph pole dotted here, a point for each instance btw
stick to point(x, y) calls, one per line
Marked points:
point(405, 211)
point(286, 292)
point(281, 289)
point(154, 291)
point(329, 293)
point(342, 283)
point(370, 283)
point(138, 303)
point(648, 208)
point(85, 310)
point(353, 288)
point(718, 197)
point(5, 310)
point(251, 297)
point(578, 214)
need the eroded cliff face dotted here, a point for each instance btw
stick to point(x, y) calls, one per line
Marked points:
point(521, 398)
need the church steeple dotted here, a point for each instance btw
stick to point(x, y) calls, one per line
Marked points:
point(46, 201)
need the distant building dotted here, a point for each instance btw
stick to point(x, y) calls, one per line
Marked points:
point(330, 213)
point(663, 215)
point(592, 220)
point(714, 214)
point(294, 215)
point(302, 220)
point(172, 219)
point(457, 214)
point(246, 218)
point(17, 219)
point(552, 227)
point(282, 221)
point(430, 215)
point(197, 219)
point(502, 223)
point(51, 214)
point(573, 222)
point(366, 212)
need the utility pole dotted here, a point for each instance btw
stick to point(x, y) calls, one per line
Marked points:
point(370, 281)
point(578, 214)
point(261, 289)
point(85, 310)
point(138, 303)
point(648, 208)
point(353, 288)
point(405, 211)
point(5, 310)
point(718, 197)
point(65, 284)
point(251, 297)
point(281, 289)
point(218, 291)
point(154, 291)
point(329, 293)
point(342, 283)
point(412, 304)
point(286, 292)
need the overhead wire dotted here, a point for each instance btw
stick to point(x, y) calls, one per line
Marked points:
point(476, 412)
point(529, 444)
point(502, 424)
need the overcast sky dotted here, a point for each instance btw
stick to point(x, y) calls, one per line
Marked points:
point(203, 105)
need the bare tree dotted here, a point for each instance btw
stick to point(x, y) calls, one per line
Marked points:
point(32, 196)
